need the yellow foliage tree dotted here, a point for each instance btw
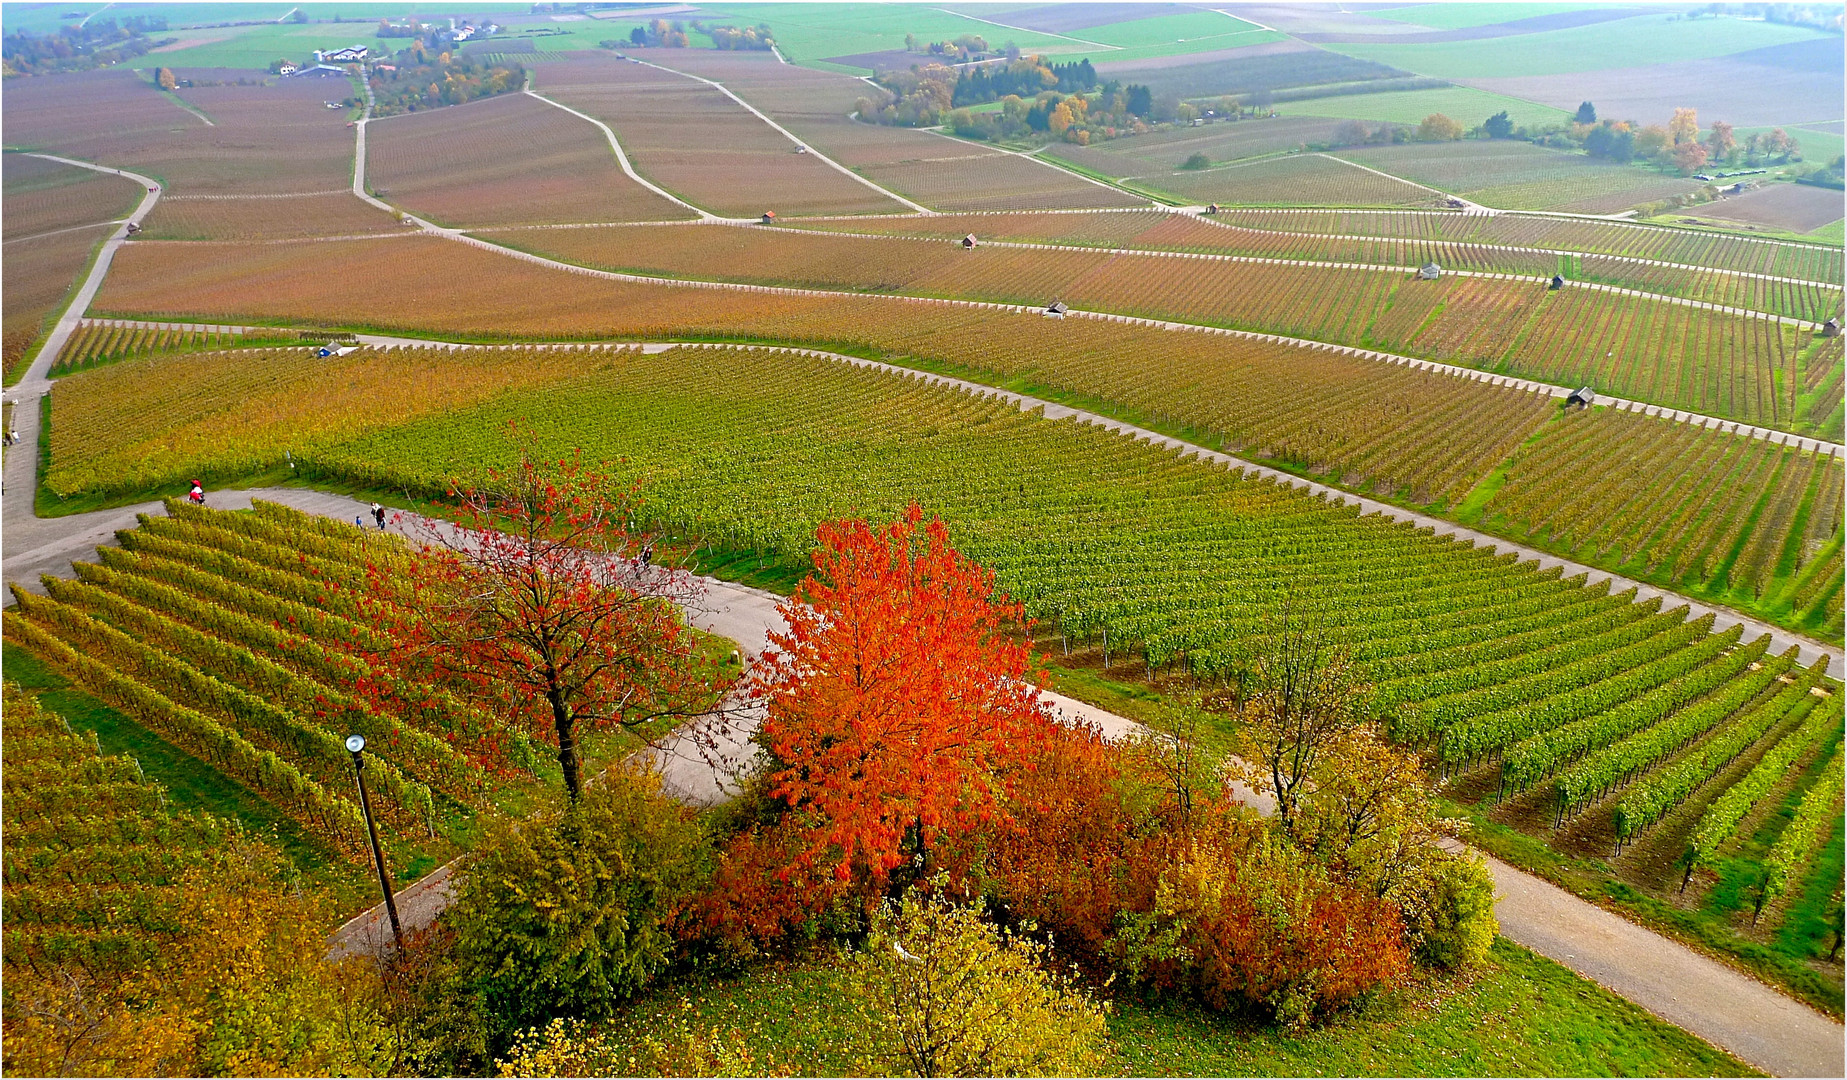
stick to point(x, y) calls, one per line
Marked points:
point(1684, 127)
point(940, 992)
point(1439, 128)
point(243, 990)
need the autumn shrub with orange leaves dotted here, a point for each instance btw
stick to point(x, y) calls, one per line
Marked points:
point(907, 748)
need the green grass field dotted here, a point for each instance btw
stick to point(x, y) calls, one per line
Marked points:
point(1462, 16)
point(1645, 39)
point(46, 18)
point(1519, 1015)
point(1466, 106)
point(1172, 35)
point(1835, 233)
point(1818, 146)
point(812, 32)
point(257, 46)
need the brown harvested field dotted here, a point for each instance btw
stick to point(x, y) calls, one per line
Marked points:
point(1796, 208)
point(699, 144)
point(1303, 301)
point(1796, 83)
point(265, 139)
point(1163, 152)
point(266, 217)
point(507, 160)
point(1305, 180)
point(961, 177)
point(45, 208)
point(67, 111)
point(1101, 228)
point(39, 274)
point(1685, 357)
point(943, 174)
point(43, 196)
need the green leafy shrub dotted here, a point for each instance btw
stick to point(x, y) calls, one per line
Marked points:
point(571, 911)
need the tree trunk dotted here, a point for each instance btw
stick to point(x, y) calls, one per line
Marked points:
point(565, 725)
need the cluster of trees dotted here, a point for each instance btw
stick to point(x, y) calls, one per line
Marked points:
point(1679, 144)
point(756, 37)
point(409, 28)
point(97, 43)
point(1676, 145)
point(426, 79)
point(914, 798)
point(924, 95)
point(660, 34)
point(1022, 78)
point(963, 49)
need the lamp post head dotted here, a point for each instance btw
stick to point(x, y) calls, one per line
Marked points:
point(355, 743)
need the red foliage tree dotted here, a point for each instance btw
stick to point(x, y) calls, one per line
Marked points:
point(899, 711)
point(535, 599)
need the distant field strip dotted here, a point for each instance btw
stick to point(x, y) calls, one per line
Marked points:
point(1686, 247)
point(1156, 230)
point(1728, 363)
point(944, 174)
point(1297, 180)
point(825, 160)
point(502, 161)
point(737, 166)
point(266, 217)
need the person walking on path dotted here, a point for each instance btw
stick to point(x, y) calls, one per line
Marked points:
point(378, 515)
point(197, 494)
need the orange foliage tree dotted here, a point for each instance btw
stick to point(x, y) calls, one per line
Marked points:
point(899, 709)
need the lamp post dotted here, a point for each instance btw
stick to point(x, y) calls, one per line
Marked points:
point(357, 744)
